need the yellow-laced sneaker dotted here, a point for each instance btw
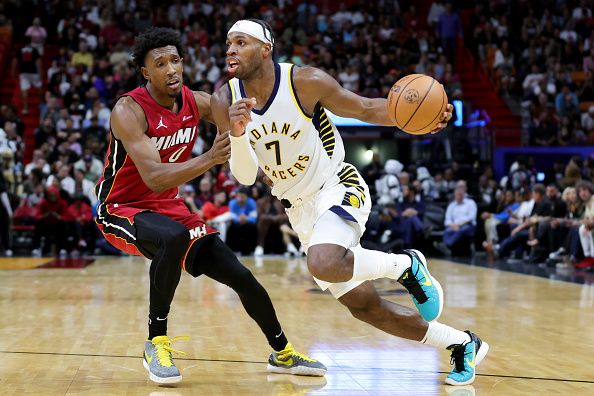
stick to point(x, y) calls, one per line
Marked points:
point(157, 359)
point(289, 361)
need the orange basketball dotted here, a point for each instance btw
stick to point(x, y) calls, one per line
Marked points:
point(416, 103)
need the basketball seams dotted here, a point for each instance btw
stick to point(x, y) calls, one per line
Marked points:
point(441, 110)
point(422, 100)
point(401, 92)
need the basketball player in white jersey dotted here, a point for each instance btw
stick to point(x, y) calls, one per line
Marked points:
point(277, 120)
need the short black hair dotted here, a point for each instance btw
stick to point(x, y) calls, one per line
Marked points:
point(539, 188)
point(267, 29)
point(244, 190)
point(155, 37)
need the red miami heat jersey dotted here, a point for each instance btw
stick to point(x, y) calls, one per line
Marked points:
point(172, 134)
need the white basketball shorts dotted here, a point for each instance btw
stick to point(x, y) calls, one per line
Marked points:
point(336, 215)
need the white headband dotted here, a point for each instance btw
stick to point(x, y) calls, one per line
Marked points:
point(253, 29)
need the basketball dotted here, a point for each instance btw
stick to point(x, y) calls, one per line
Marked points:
point(416, 103)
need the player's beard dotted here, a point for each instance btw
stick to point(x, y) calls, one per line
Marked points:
point(175, 95)
point(254, 70)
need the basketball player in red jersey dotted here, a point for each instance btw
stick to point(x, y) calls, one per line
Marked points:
point(276, 114)
point(153, 129)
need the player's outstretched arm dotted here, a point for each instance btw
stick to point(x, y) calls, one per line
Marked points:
point(128, 125)
point(314, 85)
point(233, 119)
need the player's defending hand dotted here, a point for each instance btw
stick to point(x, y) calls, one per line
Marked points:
point(443, 122)
point(220, 152)
point(240, 115)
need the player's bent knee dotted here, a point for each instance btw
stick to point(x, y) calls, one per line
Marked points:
point(323, 260)
point(242, 281)
point(321, 268)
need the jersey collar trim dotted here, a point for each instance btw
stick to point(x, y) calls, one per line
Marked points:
point(277, 75)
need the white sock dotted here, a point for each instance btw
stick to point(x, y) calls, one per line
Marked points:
point(442, 336)
point(373, 264)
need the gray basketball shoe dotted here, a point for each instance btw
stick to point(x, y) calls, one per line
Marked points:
point(157, 360)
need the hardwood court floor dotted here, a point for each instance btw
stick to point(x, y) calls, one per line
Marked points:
point(80, 332)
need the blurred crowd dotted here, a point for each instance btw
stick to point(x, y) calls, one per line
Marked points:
point(530, 214)
point(540, 53)
point(73, 59)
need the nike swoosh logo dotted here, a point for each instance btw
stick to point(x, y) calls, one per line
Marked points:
point(427, 278)
point(187, 118)
point(175, 156)
point(288, 362)
point(471, 362)
point(149, 358)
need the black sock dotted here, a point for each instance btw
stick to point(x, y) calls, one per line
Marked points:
point(278, 343)
point(157, 326)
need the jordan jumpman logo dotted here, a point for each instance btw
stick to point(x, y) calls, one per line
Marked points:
point(161, 124)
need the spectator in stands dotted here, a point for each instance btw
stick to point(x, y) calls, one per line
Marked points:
point(446, 185)
point(205, 193)
point(520, 234)
point(558, 211)
point(428, 186)
point(50, 225)
point(587, 122)
point(532, 83)
point(83, 187)
point(586, 191)
point(487, 193)
point(435, 12)
point(37, 34)
point(460, 222)
point(408, 225)
point(188, 194)
point(94, 130)
point(6, 214)
point(271, 216)
point(567, 103)
point(217, 214)
point(10, 140)
point(572, 174)
point(242, 234)
point(555, 236)
point(588, 63)
point(45, 132)
point(37, 162)
point(449, 28)
point(80, 217)
point(28, 62)
point(507, 205)
point(388, 186)
point(349, 78)
point(90, 166)
point(519, 176)
point(62, 180)
point(503, 64)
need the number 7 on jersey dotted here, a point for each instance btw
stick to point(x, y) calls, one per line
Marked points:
point(274, 144)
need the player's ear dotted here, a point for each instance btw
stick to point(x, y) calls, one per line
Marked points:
point(267, 50)
point(145, 73)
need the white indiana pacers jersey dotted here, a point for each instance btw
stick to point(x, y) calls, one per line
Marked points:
point(298, 152)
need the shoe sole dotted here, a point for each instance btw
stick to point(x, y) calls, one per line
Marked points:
point(159, 380)
point(298, 370)
point(482, 352)
point(434, 281)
